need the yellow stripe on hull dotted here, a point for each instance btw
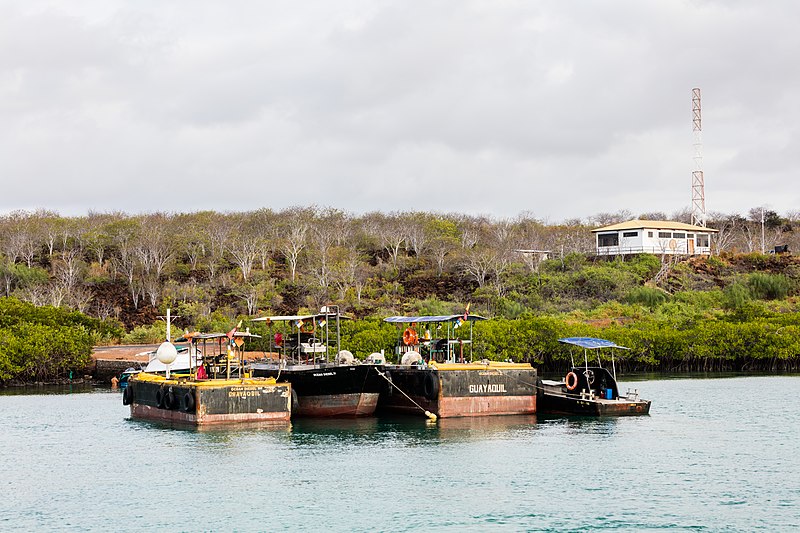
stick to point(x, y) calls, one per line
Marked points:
point(479, 366)
point(187, 380)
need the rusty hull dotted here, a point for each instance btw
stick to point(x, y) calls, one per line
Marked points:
point(336, 405)
point(486, 405)
point(451, 392)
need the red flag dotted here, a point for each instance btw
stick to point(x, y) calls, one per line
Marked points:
point(231, 332)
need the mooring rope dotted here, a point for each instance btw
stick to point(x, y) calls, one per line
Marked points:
point(430, 415)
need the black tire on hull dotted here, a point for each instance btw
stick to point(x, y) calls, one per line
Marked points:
point(169, 400)
point(389, 387)
point(127, 395)
point(188, 402)
point(431, 386)
point(160, 394)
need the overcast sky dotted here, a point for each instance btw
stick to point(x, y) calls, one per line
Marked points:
point(562, 109)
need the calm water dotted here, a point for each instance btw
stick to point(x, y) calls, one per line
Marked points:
point(714, 455)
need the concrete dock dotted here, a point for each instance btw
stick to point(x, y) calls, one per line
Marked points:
point(110, 361)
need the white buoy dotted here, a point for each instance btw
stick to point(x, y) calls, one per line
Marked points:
point(167, 353)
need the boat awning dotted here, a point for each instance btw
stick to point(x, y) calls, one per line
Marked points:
point(285, 318)
point(208, 336)
point(591, 343)
point(437, 318)
point(292, 318)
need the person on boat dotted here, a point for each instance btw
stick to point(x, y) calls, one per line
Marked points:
point(114, 382)
point(201, 372)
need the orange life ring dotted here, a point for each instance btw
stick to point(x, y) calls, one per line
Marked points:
point(571, 381)
point(410, 337)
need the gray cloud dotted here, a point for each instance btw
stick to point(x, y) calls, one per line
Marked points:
point(563, 109)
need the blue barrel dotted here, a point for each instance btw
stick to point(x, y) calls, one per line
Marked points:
point(609, 393)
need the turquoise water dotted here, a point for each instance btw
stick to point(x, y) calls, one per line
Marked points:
point(714, 455)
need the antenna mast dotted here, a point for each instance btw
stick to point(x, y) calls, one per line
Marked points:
point(698, 182)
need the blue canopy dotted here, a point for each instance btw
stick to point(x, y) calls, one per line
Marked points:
point(591, 343)
point(438, 318)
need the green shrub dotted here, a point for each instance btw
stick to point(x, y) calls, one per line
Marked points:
point(645, 266)
point(715, 262)
point(433, 306)
point(647, 296)
point(44, 343)
point(735, 296)
point(768, 286)
point(704, 300)
point(363, 337)
point(152, 334)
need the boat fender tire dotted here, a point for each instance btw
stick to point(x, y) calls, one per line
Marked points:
point(571, 381)
point(431, 386)
point(127, 395)
point(169, 400)
point(389, 386)
point(295, 402)
point(160, 395)
point(188, 402)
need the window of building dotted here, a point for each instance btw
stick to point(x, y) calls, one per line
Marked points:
point(679, 235)
point(702, 240)
point(664, 235)
point(650, 234)
point(630, 234)
point(690, 235)
point(608, 239)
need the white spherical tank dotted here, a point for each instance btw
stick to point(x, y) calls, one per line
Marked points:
point(167, 353)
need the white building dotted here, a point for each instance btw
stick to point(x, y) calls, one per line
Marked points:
point(659, 237)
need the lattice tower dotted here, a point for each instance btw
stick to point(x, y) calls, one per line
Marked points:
point(698, 182)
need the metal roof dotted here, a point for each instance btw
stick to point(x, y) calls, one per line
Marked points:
point(437, 318)
point(655, 224)
point(291, 318)
point(207, 336)
point(590, 342)
point(286, 318)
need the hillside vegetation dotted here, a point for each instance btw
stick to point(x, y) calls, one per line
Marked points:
point(47, 343)
point(730, 311)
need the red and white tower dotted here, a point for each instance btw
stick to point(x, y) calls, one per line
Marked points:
point(698, 183)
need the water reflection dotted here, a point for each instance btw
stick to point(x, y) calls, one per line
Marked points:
point(221, 433)
point(581, 424)
point(47, 390)
point(406, 430)
point(484, 427)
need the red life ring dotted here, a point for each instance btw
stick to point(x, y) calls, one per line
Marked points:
point(410, 337)
point(571, 381)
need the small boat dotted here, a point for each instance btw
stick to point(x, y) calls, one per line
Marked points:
point(322, 385)
point(127, 374)
point(439, 377)
point(215, 391)
point(589, 390)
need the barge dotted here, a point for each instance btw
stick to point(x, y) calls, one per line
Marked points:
point(189, 401)
point(322, 385)
point(217, 391)
point(589, 390)
point(435, 375)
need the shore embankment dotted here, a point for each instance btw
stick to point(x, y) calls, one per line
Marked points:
point(109, 361)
